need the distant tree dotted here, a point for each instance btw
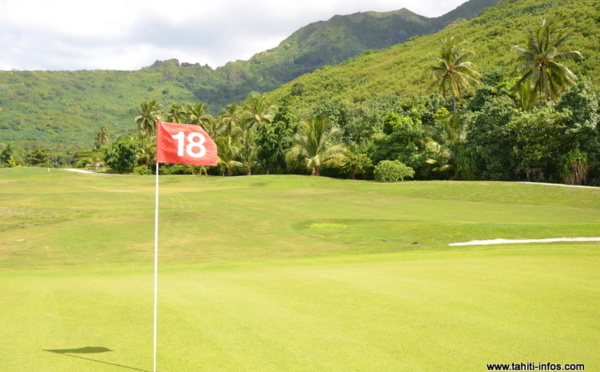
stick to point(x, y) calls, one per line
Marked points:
point(37, 156)
point(338, 112)
point(257, 109)
point(5, 155)
point(543, 76)
point(367, 118)
point(439, 157)
point(14, 162)
point(247, 151)
point(210, 125)
point(101, 138)
point(405, 139)
point(123, 153)
point(356, 165)
point(228, 150)
point(317, 144)
point(176, 113)
point(145, 155)
point(454, 74)
point(490, 141)
point(274, 138)
point(229, 120)
point(148, 113)
point(583, 124)
point(196, 114)
point(576, 167)
point(539, 143)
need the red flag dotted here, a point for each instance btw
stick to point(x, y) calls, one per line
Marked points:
point(184, 144)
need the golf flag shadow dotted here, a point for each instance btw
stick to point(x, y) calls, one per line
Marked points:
point(90, 350)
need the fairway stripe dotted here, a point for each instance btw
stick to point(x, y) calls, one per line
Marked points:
point(512, 241)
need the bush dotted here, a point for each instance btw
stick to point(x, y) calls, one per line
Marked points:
point(142, 170)
point(392, 171)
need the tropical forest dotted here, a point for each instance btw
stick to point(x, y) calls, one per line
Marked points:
point(495, 90)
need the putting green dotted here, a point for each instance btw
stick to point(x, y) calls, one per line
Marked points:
point(288, 273)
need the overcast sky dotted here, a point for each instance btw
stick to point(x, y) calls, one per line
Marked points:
point(131, 34)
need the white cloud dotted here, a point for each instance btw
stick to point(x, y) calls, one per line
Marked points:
point(130, 34)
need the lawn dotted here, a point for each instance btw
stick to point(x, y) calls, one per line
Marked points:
point(293, 273)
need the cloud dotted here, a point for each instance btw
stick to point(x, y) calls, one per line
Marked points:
point(130, 34)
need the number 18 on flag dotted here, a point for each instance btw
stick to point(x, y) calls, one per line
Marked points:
point(184, 144)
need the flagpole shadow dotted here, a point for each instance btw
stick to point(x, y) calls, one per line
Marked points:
point(91, 350)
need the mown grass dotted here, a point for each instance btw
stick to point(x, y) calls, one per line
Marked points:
point(290, 273)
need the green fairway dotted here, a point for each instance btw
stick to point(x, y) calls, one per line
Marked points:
point(293, 273)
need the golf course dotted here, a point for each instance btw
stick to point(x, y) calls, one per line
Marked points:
point(293, 273)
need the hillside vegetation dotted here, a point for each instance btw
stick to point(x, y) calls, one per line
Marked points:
point(64, 109)
point(490, 36)
point(325, 43)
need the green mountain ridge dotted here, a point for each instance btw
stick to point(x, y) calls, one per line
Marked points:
point(326, 43)
point(64, 109)
point(491, 36)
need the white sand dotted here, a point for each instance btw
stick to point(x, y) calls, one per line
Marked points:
point(560, 185)
point(509, 241)
point(78, 170)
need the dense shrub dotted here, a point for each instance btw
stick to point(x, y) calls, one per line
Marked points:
point(392, 171)
point(142, 170)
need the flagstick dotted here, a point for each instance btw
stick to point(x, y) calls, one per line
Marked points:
point(155, 267)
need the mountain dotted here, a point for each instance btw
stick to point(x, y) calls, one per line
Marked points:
point(323, 43)
point(491, 35)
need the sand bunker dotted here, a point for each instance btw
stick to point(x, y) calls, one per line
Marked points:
point(511, 241)
point(78, 170)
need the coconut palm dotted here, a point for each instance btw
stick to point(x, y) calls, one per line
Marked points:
point(317, 144)
point(230, 119)
point(101, 138)
point(228, 150)
point(145, 151)
point(257, 109)
point(196, 114)
point(454, 75)
point(146, 121)
point(543, 77)
point(247, 150)
point(210, 125)
point(176, 114)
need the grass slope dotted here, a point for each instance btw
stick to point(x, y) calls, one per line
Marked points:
point(278, 273)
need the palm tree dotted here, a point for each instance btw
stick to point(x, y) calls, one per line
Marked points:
point(247, 150)
point(228, 150)
point(196, 114)
point(317, 145)
point(211, 126)
point(543, 77)
point(176, 114)
point(101, 138)
point(145, 151)
point(257, 109)
point(454, 74)
point(146, 121)
point(230, 119)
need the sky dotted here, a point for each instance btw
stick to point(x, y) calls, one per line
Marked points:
point(131, 34)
